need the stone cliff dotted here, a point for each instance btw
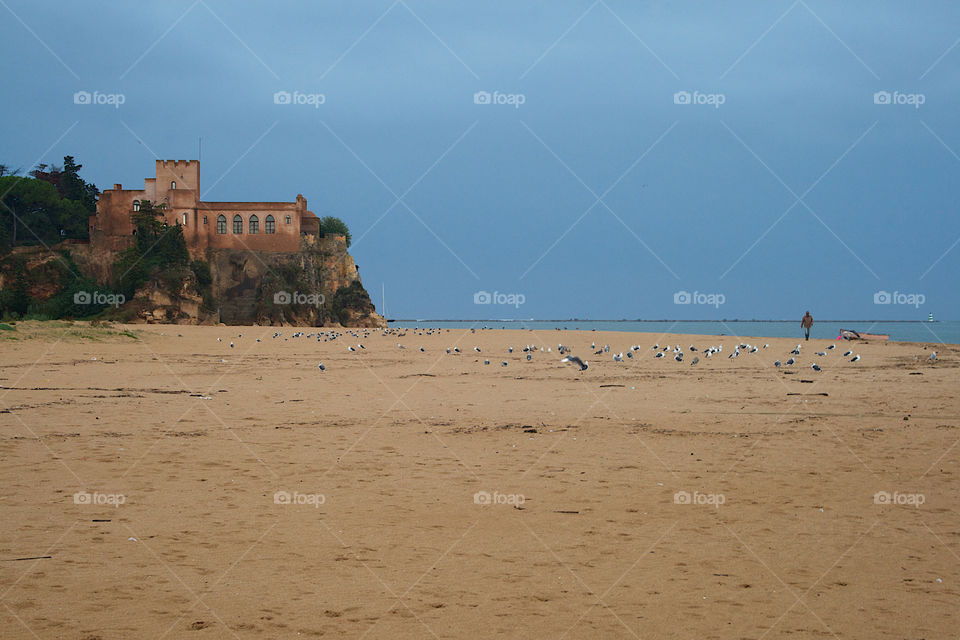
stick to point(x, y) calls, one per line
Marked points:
point(318, 285)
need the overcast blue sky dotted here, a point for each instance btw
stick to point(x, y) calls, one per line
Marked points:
point(784, 183)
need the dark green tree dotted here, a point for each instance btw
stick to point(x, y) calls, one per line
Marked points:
point(331, 224)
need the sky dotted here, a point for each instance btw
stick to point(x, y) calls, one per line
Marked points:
point(603, 159)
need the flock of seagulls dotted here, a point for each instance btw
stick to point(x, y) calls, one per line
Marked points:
point(355, 338)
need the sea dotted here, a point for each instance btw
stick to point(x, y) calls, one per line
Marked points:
point(946, 332)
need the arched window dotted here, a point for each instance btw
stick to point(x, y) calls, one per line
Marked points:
point(288, 219)
point(237, 224)
point(269, 225)
point(221, 223)
point(184, 219)
point(254, 224)
point(136, 205)
point(173, 185)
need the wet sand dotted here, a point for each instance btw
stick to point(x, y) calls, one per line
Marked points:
point(186, 489)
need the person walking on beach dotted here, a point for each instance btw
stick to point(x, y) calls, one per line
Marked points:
point(806, 322)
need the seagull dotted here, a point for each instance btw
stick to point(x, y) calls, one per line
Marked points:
point(790, 361)
point(510, 350)
point(753, 350)
point(659, 355)
point(933, 356)
point(421, 350)
point(765, 346)
point(815, 367)
point(448, 351)
point(694, 361)
point(796, 350)
point(456, 349)
point(692, 348)
point(821, 353)
point(321, 367)
point(529, 357)
point(847, 353)
point(486, 362)
point(629, 354)
point(776, 363)
point(855, 358)
point(351, 349)
point(678, 357)
point(833, 346)
point(503, 364)
point(231, 345)
point(618, 357)
point(574, 360)
point(477, 349)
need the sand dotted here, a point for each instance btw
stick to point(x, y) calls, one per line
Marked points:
point(182, 443)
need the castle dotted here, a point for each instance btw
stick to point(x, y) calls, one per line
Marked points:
point(253, 226)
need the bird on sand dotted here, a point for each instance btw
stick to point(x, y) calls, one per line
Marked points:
point(776, 363)
point(933, 356)
point(321, 367)
point(790, 361)
point(815, 367)
point(847, 353)
point(695, 360)
point(855, 358)
point(574, 360)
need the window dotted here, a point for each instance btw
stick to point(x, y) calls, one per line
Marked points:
point(269, 225)
point(237, 224)
point(204, 219)
point(254, 224)
point(184, 219)
point(288, 219)
point(136, 205)
point(173, 185)
point(221, 224)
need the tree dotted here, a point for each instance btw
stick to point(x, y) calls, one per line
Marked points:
point(29, 211)
point(331, 224)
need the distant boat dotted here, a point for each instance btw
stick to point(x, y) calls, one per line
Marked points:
point(850, 334)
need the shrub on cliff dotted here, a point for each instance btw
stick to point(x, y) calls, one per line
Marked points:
point(350, 298)
point(331, 224)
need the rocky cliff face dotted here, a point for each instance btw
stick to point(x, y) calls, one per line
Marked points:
point(319, 285)
point(288, 288)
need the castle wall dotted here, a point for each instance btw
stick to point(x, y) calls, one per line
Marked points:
point(199, 219)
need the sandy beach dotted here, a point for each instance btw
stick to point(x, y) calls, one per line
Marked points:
point(159, 483)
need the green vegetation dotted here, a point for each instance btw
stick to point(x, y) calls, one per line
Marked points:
point(51, 205)
point(331, 224)
point(350, 298)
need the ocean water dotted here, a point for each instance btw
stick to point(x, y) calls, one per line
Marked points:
point(933, 332)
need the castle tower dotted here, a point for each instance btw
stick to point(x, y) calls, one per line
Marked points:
point(178, 174)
